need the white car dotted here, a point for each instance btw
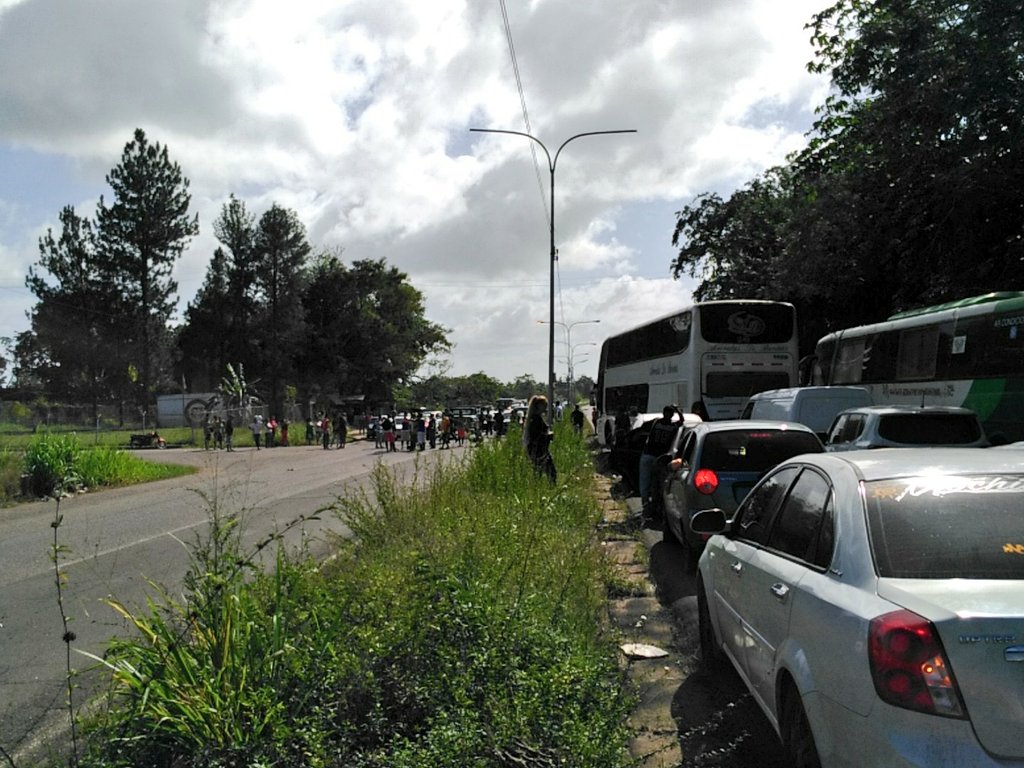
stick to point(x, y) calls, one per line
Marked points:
point(873, 603)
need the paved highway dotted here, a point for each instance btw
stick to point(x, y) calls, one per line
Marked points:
point(121, 540)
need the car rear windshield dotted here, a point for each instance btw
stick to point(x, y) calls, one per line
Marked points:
point(755, 450)
point(968, 527)
point(929, 428)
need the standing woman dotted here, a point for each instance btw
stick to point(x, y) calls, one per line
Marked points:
point(537, 437)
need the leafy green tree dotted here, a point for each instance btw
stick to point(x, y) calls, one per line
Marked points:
point(909, 189)
point(142, 233)
point(733, 245)
point(280, 255)
point(524, 387)
point(72, 349)
point(365, 328)
point(916, 163)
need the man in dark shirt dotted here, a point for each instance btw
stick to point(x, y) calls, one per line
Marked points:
point(658, 441)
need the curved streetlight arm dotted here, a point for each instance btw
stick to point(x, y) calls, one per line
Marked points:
point(554, 253)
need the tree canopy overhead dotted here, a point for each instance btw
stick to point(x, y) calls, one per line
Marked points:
point(909, 191)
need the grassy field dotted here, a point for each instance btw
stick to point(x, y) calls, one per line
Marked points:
point(20, 439)
point(461, 626)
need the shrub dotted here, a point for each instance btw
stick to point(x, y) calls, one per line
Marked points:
point(50, 463)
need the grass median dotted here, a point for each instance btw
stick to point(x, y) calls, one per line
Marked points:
point(462, 625)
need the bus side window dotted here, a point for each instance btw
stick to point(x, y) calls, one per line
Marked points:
point(880, 357)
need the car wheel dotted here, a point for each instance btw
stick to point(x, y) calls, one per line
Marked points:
point(710, 654)
point(797, 738)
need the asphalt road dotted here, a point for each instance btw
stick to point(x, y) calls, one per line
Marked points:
point(121, 542)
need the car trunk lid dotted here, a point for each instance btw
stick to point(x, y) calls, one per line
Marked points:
point(981, 624)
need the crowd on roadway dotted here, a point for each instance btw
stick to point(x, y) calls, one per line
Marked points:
point(418, 430)
point(392, 431)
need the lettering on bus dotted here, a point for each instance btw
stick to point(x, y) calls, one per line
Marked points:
point(664, 368)
point(1008, 322)
point(896, 390)
point(745, 325)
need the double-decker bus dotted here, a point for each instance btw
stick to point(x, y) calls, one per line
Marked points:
point(718, 352)
point(968, 353)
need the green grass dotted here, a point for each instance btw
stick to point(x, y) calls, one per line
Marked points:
point(461, 626)
point(58, 463)
point(106, 438)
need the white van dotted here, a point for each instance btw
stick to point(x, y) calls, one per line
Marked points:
point(815, 407)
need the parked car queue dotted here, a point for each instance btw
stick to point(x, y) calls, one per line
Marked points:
point(871, 597)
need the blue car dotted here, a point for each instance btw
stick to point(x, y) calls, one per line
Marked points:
point(717, 465)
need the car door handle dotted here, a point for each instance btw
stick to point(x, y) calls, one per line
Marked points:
point(780, 591)
point(737, 568)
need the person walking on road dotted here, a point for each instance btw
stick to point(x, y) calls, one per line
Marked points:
point(257, 431)
point(577, 419)
point(325, 431)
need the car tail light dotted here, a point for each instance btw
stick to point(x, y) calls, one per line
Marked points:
point(705, 481)
point(909, 666)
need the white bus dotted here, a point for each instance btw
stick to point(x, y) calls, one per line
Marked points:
point(968, 353)
point(718, 352)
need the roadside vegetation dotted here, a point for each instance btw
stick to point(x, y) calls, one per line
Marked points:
point(461, 625)
point(52, 463)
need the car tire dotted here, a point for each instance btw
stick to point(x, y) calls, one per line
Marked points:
point(711, 655)
point(795, 728)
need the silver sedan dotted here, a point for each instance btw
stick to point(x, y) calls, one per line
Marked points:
point(873, 603)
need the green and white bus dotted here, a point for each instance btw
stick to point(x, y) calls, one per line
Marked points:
point(968, 353)
point(719, 352)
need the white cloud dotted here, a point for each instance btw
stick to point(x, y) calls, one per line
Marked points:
point(357, 114)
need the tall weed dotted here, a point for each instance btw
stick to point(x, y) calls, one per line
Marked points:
point(51, 464)
point(461, 625)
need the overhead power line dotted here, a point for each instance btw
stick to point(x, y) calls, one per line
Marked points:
point(526, 114)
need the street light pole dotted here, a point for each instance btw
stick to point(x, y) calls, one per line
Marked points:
point(568, 343)
point(551, 170)
point(572, 362)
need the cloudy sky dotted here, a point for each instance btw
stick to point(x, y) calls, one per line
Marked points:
point(356, 115)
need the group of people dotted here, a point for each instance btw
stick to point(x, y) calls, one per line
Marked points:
point(271, 432)
point(327, 431)
point(414, 431)
point(218, 433)
point(417, 431)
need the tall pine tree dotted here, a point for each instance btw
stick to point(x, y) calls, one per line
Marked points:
point(281, 251)
point(142, 234)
